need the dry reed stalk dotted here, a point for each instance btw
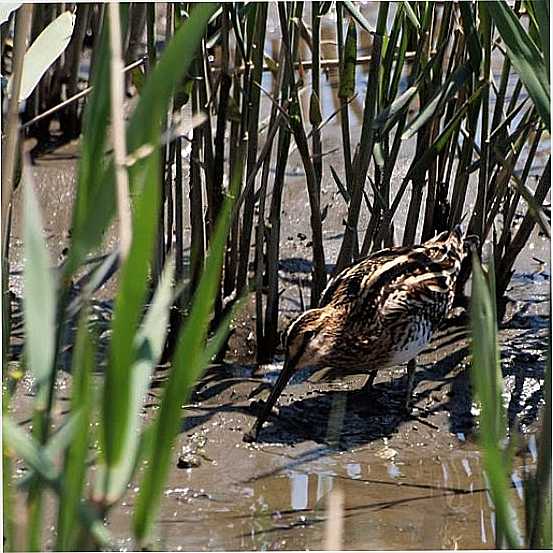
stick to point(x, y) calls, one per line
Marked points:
point(334, 525)
point(118, 131)
point(23, 20)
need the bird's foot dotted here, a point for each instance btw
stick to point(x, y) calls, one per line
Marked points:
point(256, 405)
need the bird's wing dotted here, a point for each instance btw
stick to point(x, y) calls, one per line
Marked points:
point(348, 282)
point(428, 293)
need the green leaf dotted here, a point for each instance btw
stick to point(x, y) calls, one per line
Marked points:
point(96, 184)
point(74, 468)
point(453, 84)
point(29, 450)
point(129, 302)
point(389, 115)
point(44, 51)
point(96, 178)
point(488, 384)
point(525, 57)
point(358, 16)
point(39, 299)
point(347, 76)
point(430, 154)
point(411, 15)
point(57, 444)
point(187, 365)
point(149, 341)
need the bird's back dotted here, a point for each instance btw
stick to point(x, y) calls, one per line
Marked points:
point(388, 304)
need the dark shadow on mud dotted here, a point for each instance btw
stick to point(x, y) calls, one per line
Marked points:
point(305, 415)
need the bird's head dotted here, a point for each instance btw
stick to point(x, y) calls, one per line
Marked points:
point(308, 339)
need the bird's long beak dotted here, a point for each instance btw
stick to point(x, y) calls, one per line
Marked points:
point(283, 378)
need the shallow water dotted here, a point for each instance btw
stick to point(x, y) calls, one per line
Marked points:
point(408, 484)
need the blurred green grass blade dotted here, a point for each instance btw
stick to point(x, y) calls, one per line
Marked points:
point(506, 518)
point(411, 15)
point(96, 185)
point(453, 84)
point(39, 299)
point(389, 115)
point(187, 365)
point(543, 15)
point(30, 451)
point(44, 51)
point(129, 302)
point(144, 127)
point(95, 181)
point(56, 445)
point(26, 447)
point(358, 16)
point(430, 155)
point(524, 56)
point(484, 355)
point(148, 344)
point(472, 38)
point(75, 459)
point(487, 381)
point(347, 76)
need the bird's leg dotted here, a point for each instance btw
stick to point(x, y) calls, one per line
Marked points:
point(411, 366)
point(368, 388)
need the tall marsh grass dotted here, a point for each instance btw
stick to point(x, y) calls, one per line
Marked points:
point(459, 90)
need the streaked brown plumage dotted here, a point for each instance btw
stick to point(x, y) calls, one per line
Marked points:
point(377, 313)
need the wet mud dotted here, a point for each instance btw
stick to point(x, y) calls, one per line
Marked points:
point(409, 482)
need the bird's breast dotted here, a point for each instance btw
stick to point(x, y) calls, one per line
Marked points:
point(409, 341)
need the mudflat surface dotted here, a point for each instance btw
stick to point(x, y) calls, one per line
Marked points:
point(409, 483)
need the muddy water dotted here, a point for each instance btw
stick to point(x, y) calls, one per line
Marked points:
point(412, 483)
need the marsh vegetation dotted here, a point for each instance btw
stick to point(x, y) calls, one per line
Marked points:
point(212, 166)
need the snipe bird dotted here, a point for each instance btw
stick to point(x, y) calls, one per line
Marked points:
point(377, 313)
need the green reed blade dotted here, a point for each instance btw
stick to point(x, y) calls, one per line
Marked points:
point(94, 187)
point(128, 310)
point(26, 447)
point(389, 115)
point(148, 346)
point(188, 364)
point(524, 55)
point(436, 104)
point(488, 383)
point(357, 15)
point(143, 176)
point(75, 459)
point(430, 155)
point(39, 304)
